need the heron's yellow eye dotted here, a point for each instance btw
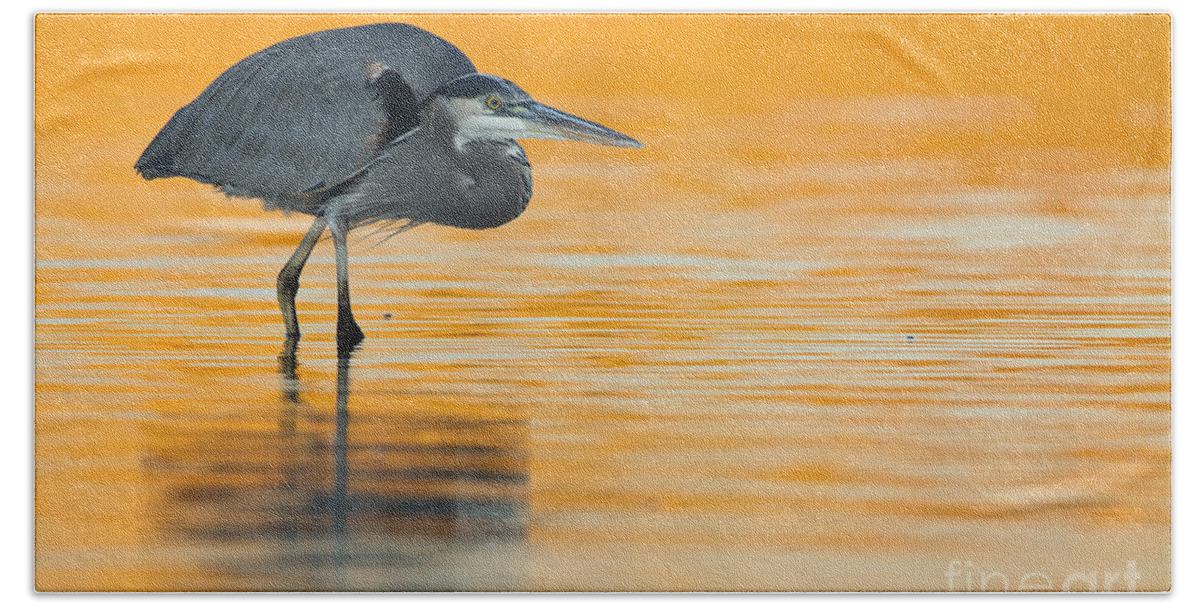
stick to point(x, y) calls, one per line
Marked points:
point(494, 102)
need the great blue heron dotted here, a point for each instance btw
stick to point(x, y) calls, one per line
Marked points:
point(376, 123)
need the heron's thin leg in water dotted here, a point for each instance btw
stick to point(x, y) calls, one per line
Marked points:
point(288, 282)
point(348, 332)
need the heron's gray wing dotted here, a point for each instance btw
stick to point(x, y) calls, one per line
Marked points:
point(306, 113)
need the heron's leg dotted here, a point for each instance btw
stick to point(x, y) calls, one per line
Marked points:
point(348, 332)
point(288, 282)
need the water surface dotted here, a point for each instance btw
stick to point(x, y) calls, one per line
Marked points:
point(768, 351)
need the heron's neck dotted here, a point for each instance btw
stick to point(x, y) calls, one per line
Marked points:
point(495, 182)
point(499, 183)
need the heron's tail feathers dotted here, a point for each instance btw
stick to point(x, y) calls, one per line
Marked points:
point(153, 164)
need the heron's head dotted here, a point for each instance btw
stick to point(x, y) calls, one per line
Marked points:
point(486, 107)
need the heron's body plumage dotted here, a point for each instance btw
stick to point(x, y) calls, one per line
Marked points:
point(307, 93)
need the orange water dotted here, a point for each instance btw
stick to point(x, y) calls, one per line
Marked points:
point(878, 295)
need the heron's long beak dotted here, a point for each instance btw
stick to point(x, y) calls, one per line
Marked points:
point(545, 122)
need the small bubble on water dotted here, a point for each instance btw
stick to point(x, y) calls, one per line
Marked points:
point(387, 315)
point(910, 337)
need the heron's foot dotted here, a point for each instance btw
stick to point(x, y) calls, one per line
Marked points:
point(348, 334)
point(286, 287)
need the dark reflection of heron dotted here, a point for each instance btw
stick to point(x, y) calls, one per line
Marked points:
point(370, 504)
